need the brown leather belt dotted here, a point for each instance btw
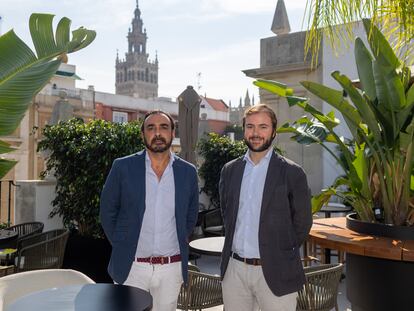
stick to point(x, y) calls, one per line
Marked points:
point(249, 261)
point(160, 260)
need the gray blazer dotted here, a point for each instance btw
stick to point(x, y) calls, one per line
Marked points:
point(285, 220)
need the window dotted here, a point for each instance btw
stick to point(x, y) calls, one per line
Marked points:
point(120, 117)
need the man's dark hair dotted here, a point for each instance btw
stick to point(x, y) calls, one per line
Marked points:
point(150, 113)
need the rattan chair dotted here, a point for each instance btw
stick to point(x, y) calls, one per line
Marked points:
point(6, 270)
point(320, 291)
point(42, 251)
point(203, 291)
point(27, 229)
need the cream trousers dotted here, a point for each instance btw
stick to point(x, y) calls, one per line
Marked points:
point(245, 289)
point(162, 281)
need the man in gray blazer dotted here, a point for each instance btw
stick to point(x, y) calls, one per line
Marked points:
point(265, 201)
point(149, 206)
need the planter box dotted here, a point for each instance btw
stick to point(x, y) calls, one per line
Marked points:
point(89, 256)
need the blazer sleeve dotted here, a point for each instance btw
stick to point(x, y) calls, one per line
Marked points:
point(193, 203)
point(300, 203)
point(110, 201)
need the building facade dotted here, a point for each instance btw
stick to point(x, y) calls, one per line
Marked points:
point(136, 75)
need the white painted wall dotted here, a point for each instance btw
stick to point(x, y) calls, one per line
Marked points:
point(344, 62)
point(33, 202)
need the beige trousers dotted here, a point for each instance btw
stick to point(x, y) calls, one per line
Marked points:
point(162, 281)
point(245, 289)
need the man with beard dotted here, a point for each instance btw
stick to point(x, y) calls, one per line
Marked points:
point(149, 206)
point(265, 202)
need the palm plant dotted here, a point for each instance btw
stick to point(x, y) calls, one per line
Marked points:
point(378, 159)
point(395, 16)
point(23, 74)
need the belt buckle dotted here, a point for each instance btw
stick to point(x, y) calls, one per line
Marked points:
point(162, 260)
point(151, 260)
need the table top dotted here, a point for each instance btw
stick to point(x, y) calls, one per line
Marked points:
point(8, 234)
point(336, 208)
point(208, 246)
point(332, 233)
point(89, 297)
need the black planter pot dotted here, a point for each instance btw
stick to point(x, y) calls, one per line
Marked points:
point(377, 284)
point(390, 231)
point(88, 255)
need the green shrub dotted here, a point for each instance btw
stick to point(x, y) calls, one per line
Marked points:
point(217, 151)
point(80, 156)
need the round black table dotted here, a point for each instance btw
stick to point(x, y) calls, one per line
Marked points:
point(208, 246)
point(89, 297)
point(8, 238)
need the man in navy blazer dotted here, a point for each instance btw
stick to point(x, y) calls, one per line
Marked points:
point(265, 200)
point(149, 206)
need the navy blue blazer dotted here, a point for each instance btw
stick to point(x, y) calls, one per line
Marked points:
point(123, 206)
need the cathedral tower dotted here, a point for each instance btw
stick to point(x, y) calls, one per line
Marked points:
point(136, 75)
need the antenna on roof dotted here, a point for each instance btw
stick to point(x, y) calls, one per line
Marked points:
point(198, 82)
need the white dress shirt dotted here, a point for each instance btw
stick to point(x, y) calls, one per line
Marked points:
point(246, 235)
point(158, 236)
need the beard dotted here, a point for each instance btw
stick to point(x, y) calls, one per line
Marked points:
point(154, 147)
point(266, 144)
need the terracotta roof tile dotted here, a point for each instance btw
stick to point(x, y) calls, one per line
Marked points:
point(217, 104)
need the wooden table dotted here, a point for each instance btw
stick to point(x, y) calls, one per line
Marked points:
point(208, 246)
point(379, 270)
point(331, 233)
point(90, 297)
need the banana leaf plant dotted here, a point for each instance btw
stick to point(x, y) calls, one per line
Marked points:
point(23, 73)
point(378, 158)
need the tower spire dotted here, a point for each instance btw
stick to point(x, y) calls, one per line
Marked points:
point(280, 24)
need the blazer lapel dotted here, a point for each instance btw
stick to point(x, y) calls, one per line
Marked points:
point(236, 180)
point(273, 178)
point(178, 179)
point(138, 180)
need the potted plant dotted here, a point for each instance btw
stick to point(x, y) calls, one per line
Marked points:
point(377, 160)
point(80, 157)
point(23, 74)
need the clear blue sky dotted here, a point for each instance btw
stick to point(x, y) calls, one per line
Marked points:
point(218, 38)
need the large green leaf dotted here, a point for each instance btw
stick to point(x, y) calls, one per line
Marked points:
point(363, 108)
point(334, 98)
point(6, 166)
point(363, 61)
point(382, 50)
point(274, 87)
point(23, 74)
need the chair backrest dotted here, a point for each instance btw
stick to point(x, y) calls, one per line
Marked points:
point(42, 251)
point(320, 291)
point(26, 229)
point(19, 284)
point(203, 291)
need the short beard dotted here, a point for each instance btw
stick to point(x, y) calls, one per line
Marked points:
point(158, 149)
point(267, 143)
